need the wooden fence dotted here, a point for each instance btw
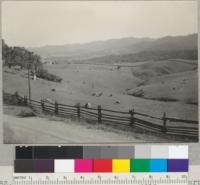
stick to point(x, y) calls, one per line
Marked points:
point(162, 125)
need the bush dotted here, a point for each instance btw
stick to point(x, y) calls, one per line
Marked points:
point(13, 99)
point(48, 76)
point(139, 93)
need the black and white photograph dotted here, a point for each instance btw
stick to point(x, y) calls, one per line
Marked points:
point(99, 72)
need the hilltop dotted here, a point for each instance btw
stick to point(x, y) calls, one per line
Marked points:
point(128, 48)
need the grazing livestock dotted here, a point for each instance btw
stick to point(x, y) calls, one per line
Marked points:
point(94, 94)
point(97, 94)
point(100, 94)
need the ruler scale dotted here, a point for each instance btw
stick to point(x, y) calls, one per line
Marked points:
point(102, 178)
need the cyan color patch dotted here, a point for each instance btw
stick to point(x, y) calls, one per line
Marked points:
point(158, 165)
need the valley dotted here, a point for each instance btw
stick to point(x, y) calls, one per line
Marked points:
point(173, 91)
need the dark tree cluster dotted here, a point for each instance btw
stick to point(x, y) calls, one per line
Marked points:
point(19, 56)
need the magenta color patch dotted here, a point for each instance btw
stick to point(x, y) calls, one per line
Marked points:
point(83, 165)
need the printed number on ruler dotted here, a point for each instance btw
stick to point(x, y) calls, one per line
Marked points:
point(99, 178)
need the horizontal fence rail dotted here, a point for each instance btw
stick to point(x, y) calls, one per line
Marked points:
point(163, 125)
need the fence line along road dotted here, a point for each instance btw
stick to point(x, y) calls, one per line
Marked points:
point(163, 125)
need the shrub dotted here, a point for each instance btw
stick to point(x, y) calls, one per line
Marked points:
point(48, 76)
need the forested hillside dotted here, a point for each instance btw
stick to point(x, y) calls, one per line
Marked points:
point(19, 56)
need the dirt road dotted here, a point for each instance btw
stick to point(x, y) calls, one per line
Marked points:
point(41, 130)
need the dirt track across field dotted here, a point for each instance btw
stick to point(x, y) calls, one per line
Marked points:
point(41, 130)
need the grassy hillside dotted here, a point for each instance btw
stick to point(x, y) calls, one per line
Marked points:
point(144, 56)
point(154, 69)
point(100, 85)
point(167, 81)
point(173, 43)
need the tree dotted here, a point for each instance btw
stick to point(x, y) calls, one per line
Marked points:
point(20, 56)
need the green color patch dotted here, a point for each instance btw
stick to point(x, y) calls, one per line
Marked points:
point(140, 165)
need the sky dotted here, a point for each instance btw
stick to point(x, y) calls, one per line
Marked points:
point(40, 23)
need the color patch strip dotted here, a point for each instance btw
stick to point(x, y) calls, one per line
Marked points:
point(83, 165)
point(121, 165)
point(177, 165)
point(75, 152)
point(102, 165)
point(140, 165)
point(61, 166)
point(103, 152)
point(158, 165)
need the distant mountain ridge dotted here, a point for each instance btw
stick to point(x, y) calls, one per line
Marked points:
point(120, 47)
point(91, 49)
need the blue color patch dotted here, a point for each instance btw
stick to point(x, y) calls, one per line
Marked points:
point(158, 165)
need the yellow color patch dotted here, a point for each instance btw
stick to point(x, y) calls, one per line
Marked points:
point(120, 165)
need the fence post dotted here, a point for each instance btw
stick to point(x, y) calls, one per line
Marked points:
point(164, 123)
point(42, 104)
point(25, 100)
point(99, 114)
point(56, 107)
point(132, 120)
point(79, 111)
point(17, 97)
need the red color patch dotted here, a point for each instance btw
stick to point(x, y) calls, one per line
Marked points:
point(102, 165)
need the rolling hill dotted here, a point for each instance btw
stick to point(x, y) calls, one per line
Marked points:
point(169, 80)
point(92, 49)
point(118, 47)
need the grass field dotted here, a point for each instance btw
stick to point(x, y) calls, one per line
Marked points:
point(168, 81)
point(167, 86)
point(82, 81)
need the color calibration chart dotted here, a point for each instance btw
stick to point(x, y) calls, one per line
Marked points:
point(140, 164)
